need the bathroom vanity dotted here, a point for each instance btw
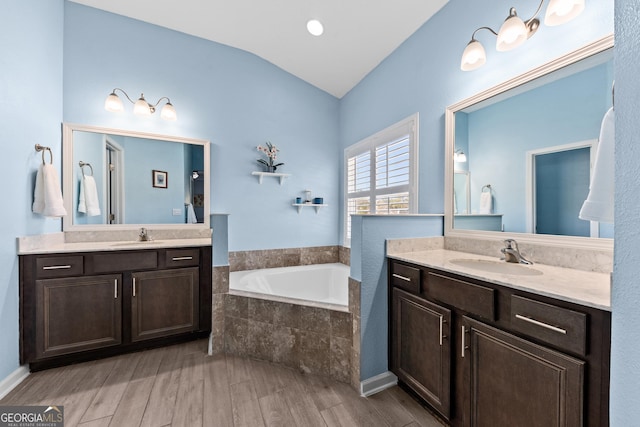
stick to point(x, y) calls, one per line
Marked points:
point(82, 301)
point(503, 347)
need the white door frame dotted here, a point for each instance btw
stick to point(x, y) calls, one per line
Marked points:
point(531, 179)
point(117, 182)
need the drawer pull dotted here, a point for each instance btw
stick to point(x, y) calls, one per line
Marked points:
point(134, 286)
point(115, 288)
point(441, 331)
point(56, 267)
point(182, 258)
point(541, 324)
point(397, 276)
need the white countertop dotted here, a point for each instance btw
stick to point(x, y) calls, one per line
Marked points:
point(566, 284)
point(63, 247)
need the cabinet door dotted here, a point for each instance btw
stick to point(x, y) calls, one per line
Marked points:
point(513, 382)
point(420, 348)
point(164, 303)
point(77, 314)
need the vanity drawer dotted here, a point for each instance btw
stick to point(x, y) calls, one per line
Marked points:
point(405, 277)
point(560, 327)
point(472, 298)
point(122, 261)
point(182, 257)
point(59, 266)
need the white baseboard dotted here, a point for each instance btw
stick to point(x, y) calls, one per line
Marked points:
point(378, 383)
point(15, 378)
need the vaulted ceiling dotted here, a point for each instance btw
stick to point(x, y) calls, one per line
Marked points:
point(358, 34)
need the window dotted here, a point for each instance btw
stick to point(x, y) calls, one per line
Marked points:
point(381, 173)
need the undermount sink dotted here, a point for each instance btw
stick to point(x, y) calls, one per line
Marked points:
point(500, 267)
point(137, 242)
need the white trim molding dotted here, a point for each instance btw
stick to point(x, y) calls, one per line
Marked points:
point(376, 384)
point(12, 381)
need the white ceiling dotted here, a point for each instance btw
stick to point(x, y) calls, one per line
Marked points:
point(358, 34)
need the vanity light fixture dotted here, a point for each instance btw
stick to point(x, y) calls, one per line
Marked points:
point(459, 156)
point(141, 107)
point(514, 31)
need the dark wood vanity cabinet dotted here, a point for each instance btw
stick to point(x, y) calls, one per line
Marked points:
point(164, 303)
point(83, 306)
point(77, 314)
point(421, 350)
point(501, 356)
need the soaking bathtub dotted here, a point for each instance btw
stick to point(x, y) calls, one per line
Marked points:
point(318, 285)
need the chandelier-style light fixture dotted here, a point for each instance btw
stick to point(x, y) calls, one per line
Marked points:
point(514, 31)
point(141, 107)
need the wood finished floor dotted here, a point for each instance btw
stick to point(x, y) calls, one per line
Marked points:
point(182, 386)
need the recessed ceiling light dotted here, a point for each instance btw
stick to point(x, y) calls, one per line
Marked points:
point(315, 27)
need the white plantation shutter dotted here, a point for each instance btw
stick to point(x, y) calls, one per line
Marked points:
point(381, 173)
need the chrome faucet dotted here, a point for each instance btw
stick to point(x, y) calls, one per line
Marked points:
point(144, 237)
point(512, 253)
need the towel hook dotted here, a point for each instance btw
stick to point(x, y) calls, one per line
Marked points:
point(82, 165)
point(42, 148)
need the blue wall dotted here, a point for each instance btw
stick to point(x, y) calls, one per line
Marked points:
point(30, 111)
point(225, 95)
point(625, 363)
point(369, 266)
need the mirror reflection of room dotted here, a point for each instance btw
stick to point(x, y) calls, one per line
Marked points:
point(534, 148)
point(125, 191)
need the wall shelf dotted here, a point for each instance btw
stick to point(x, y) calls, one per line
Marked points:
point(302, 205)
point(261, 175)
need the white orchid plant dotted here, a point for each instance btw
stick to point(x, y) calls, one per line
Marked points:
point(271, 151)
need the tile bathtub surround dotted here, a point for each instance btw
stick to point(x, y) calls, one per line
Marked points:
point(289, 257)
point(220, 287)
point(354, 309)
point(309, 339)
point(344, 255)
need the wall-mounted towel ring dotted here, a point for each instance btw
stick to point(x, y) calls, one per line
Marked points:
point(83, 164)
point(42, 148)
point(488, 187)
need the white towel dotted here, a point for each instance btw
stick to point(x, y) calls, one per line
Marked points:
point(47, 196)
point(486, 202)
point(599, 203)
point(88, 202)
point(191, 214)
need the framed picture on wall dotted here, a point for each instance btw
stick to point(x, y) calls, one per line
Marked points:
point(160, 179)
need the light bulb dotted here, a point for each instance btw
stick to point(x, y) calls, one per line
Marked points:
point(169, 112)
point(561, 11)
point(512, 33)
point(113, 103)
point(141, 107)
point(473, 56)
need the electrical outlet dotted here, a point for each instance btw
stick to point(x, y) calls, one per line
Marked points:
point(177, 212)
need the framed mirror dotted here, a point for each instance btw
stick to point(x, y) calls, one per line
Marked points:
point(119, 179)
point(529, 145)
